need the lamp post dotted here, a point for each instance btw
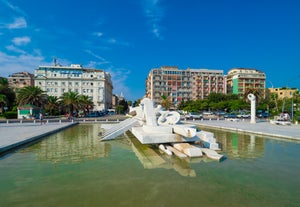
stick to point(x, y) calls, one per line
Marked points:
point(292, 107)
point(69, 110)
point(274, 97)
point(292, 112)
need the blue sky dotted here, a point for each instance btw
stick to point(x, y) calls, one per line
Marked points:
point(129, 37)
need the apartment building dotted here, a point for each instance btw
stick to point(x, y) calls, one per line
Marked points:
point(244, 80)
point(283, 92)
point(20, 79)
point(95, 83)
point(182, 85)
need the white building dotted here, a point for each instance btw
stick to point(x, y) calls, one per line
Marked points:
point(95, 83)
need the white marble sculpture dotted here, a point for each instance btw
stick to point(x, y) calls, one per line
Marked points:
point(252, 99)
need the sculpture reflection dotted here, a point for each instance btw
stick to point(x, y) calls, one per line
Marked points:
point(240, 145)
point(81, 143)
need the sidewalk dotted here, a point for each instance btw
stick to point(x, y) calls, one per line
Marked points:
point(261, 127)
point(14, 135)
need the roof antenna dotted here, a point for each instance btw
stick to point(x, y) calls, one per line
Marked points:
point(54, 60)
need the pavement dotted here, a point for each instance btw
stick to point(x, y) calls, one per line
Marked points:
point(261, 127)
point(14, 135)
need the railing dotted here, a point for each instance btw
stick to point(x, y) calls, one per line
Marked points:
point(103, 119)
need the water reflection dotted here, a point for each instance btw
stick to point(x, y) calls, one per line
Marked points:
point(151, 158)
point(73, 145)
point(238, 145)
point(82, 143)
point(91, 173)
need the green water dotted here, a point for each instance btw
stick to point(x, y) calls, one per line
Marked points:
point(72, 168)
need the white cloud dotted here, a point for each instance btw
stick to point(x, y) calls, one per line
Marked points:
point(23, 62)
point(154, 14)
point(114, 41)
point(15, 49)
point(119, 77)
point(102, 59)
point(14, 8)
point(21, 40)
point(98, 34)
point(18, 23)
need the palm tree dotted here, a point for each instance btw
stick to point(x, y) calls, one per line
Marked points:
point(31, 95)
point(70, 101)
point(166, 102)
point(257, 92)
point(85, 103)
point(52, 104)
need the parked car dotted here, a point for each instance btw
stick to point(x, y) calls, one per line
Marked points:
point(193, 115)
point(94, 114)
point(230, 115)
point(263, 115)
point(243, 115)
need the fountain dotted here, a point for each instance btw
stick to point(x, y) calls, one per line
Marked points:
point(154, 126)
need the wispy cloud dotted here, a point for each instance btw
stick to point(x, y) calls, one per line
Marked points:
point(154, 14)
point(114, 41)
point(119, 77)
point(15, 49)
point(18, 23)
point(23, 62)
point(98, 34)
point(21, 40)
point(102, 59)
point(13, 7)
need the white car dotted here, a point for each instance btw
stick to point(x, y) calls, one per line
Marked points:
point(193, 115)
point(243, 115)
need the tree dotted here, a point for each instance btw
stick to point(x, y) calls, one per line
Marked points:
point(166, 102)
point(3, 102)
point(31, 95)
point(122, 106)
point(257, 92)
point(52, 105)
point(85, 103)
point(70, 101)
point(7, 92)
point(137, 102)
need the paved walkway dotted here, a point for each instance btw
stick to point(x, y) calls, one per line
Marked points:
point(260, 128)
point(13, 135)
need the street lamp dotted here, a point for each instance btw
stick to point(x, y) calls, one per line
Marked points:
point(274, 97)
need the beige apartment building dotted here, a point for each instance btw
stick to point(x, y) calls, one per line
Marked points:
point(243, 80)
point(95, 83)
point(20, 79)
point(182, 85)
point(283, 92)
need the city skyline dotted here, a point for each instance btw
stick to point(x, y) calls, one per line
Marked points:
point(128, 38)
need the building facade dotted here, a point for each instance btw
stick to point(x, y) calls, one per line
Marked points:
point(20, 79)
point(243, 80)
point(94, 83)
point(183, 85)
point(282, 93)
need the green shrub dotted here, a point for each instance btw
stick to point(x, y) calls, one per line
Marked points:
point(11, 115)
